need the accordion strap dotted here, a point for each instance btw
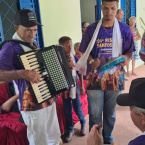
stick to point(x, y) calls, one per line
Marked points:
point(20, 42)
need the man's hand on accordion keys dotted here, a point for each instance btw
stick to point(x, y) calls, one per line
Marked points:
point(30, 75)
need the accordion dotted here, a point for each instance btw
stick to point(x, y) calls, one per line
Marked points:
point(52, 65)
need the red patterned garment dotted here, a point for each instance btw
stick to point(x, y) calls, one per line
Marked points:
point(12, 132)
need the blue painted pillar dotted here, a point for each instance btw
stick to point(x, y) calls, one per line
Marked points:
point(98, 9)
point(1, 32)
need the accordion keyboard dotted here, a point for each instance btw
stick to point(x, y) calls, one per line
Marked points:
point(40, 89)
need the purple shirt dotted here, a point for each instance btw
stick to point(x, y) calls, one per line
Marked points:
point(138, 141)
point(9, 61)
point(103, 50)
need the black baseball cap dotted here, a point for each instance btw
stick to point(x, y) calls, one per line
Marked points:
point(136, 95)
point(26, 18)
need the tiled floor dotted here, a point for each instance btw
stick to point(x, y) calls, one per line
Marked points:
point(124, 130)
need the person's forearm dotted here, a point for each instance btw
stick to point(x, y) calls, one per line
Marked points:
point(29, 75)
point(137, 38)
point(8, 104)
point(10, 75)
point(81, 80)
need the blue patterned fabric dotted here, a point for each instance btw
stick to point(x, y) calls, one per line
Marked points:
point(135, 53)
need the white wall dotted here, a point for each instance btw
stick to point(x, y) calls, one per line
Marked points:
point(60, 18)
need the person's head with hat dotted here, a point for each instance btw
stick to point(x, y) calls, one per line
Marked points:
point(135, 99)
point(26, 25)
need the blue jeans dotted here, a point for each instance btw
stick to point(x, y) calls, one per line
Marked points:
point(99, 102)
point(68, 103)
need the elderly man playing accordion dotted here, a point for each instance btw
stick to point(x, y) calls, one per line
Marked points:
point(41, 119)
